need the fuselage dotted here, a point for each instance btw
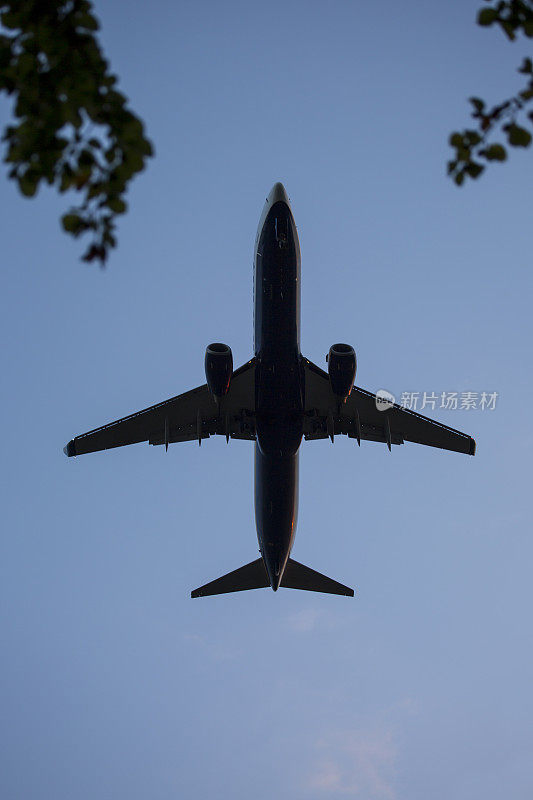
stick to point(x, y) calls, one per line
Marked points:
point(279, 381)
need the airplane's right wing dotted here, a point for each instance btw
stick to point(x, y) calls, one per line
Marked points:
point(189, 416)
point(360, 418)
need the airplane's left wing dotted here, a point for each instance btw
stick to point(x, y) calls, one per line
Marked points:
point(360, 418)
point(189, 416)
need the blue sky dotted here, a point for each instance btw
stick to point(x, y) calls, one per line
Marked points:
point(114, 683)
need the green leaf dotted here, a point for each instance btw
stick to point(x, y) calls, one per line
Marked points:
point(26, 65)
point(517, 136)
point(486, 16)
point(95, 251)
point(117, 205)
point(82, 176)
point(474, 169)
point(527, 67)
point(11, 20)
point(95, 190)
point(456, 140)
point(496, 152)
point(28, 183)
point(508, 29)
point(478, 103)
point(110, 239)
point(66, 179)
point(71, 113)
point(86, 158)
point(87, 21)
point(459, 178)
point(133, 130)
point(146, 148)
point(72, 223)
point(472, 138)
point(135, 162)
point(528, 28)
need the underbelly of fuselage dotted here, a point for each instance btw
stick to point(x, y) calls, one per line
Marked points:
point(279, 406)
point(276, 509)
point(279, 388)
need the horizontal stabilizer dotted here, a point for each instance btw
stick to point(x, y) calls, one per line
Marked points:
point(297, 576)
point(251, 576)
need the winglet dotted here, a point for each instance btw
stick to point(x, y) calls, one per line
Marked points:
point(70, 448)
point(472, 451)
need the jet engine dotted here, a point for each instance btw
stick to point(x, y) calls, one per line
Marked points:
point(342, 365)
point(218, 368)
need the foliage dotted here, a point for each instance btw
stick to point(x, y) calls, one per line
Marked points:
point(73, 128)
point(474, 145)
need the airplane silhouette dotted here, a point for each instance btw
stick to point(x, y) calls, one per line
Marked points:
point(275, 399)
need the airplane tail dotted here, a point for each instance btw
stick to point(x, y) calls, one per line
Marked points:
point(255, 576)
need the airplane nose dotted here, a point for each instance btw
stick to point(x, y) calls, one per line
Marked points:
point(278, 194)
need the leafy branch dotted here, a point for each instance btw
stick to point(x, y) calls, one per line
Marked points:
point(74, 130)
point(473, 146)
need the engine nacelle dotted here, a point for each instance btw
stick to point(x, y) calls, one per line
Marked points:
point(342, 366)
point(218, 368)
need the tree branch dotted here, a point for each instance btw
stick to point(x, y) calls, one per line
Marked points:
point(73, 128)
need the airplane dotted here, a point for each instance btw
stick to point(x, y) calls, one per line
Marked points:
point(276, 398)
